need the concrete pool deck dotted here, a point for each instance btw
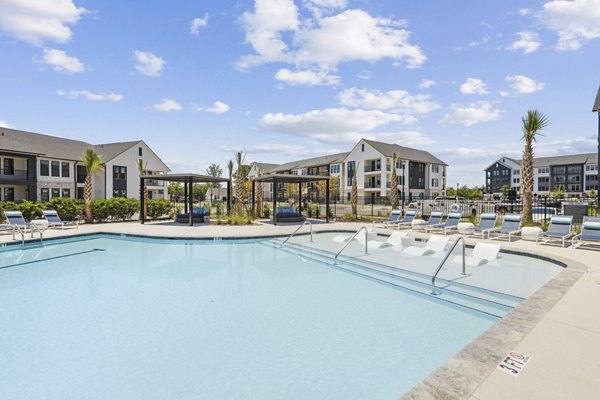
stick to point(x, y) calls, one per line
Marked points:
point(558, 327)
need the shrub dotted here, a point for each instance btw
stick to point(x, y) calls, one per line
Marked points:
point(122, 208)
point(100, 210)
point(309, 211)
point(6, 206)
point(30, 209)
point(158, 207)
point(67, 209)
point(266, 211)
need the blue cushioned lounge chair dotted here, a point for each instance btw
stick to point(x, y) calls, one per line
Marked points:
point(590, 231)
point(18, 224)
point(510, 226)
point(559, 228)
point(434, 219)
point(487, 221)
point(407, 220)
point(54, 220)
point(393, 217)
point(450, 223)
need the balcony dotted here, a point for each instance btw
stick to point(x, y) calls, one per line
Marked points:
point(372, 168)
point(14, 174)
point(154, 182)
point(372, 185)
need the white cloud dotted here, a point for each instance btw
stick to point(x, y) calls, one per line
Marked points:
point(394, 100)
point(576, 22)
point(62, 62)
point(218, 108)
point(306, 78)
point(320, 7)
point(503, 93)
point(39, 21)
point(473, 86)
point(426, 84)
point(167, 105)
point(148, 64)
point(91, 96)
point(5, 124)
point(471, 114)
point(198, 23)
point(529, 42)
point(277, 33)
point(524, 11)
point(524, 85)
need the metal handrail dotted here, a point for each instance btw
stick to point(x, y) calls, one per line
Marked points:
point(32, 227)
point(297, 229)
point(18, 228)
point(433, 291)
point(37, 228)
point(350, 240)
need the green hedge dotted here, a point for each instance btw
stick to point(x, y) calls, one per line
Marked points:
point(115, 209)
point(158, 208)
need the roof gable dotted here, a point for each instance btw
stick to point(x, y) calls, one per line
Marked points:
point(407, 153)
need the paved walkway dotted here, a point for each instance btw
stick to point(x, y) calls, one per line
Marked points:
point(563, 341)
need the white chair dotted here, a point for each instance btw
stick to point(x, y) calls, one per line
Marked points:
point(435, 244)
point(481, 255)
point(395, 239)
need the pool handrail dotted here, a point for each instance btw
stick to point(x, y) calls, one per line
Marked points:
point(350, 240)
point(439, 268)
point(297, 229)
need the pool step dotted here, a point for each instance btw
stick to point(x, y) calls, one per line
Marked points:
point(479, 299)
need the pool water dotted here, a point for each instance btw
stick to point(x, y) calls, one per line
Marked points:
point(123, 318)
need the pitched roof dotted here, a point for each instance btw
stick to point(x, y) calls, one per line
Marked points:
point(265, 167)
point(311, 162)
point(586, 158)
point(56, 147)
point(596, 107)
point(406, 153)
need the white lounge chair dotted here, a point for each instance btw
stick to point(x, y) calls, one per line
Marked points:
point(360, 237)
point(395, 239)
point(435, 244)
point(482, 254)
point(451, 223)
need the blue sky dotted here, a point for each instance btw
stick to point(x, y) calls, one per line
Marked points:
point(284, 79)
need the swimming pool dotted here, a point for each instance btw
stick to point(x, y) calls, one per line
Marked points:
point(121, 317)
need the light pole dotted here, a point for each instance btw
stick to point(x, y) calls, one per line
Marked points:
point(456, 191)
point(596, 109)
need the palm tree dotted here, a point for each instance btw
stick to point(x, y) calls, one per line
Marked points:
point(532, 125)
point(239, 183)
point(394, 183)
point(259, 199)
point(354, 193)
point(141, 167)
point(93, 164)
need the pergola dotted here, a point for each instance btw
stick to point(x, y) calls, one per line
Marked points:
point(287, 178)
point(188, 181)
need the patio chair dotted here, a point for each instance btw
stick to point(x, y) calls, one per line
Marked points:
point(451, 223)
point(510, 226)
point(559, 228)
point(407, 220)
point(54, 220)
point(481, 255)
point(590, 231)
point(393, 217)
point(395, 239)
point(435, 244)
point(487, 221)
point(18, 224)
point(434, 219)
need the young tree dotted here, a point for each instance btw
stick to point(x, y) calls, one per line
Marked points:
point(239, 183)
point(354, 193)
point(199, 191)
point(259, 199)
point(394, 184)
point(174, 189)
point(215, 171)
point(93, 164)
point(532, 125)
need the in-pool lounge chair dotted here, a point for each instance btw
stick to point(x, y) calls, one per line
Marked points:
point(18, 224)
point(395, 239)
point(487, 221)
point(450, 223)
point(434, 219)
point(436, 243)
point(54, 220)
point(510, 226)
point(560, 228)
point(406, 221)
point(590, 231)
point(393, 217)
point(482, 254)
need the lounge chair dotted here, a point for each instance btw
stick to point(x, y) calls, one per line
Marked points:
point(395, 239)
point(18, 224)
point(451, 223)
point(559, 228)
point(407, 220)
point(54, 220)
point(510, 226)
point(393, 217)
point(590, 231)
point(487, 221)
point(287, 214)
point(482, 254)
point(435, 244)
point(360, 237)
point(434, 219)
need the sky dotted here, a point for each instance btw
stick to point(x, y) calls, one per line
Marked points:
point(283, 80)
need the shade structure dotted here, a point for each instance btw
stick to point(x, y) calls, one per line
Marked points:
point(288, 178)
point(188, 179)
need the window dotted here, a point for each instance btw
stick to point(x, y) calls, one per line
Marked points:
point(9, 167)
point(45, 194)
point(119, 181)
point(66, 193)
point(81, 174)
point(435, 182)
point(335, 169)
point(55, 168)
point(119, 193)
point(140, 151)
point(496, 173)
point(64, 169)
point(574, 178)
point(119, 173)
point(435, 168)
point(558, 170)
point(505, 172)
point(80, 193)
point(44, 168)
point(350, 170)
point(55, 192)
point(544, 170)
point(517, 172)
point(516, 180)
point(363, 147)
point(9, 194)
point(574, 169)
point(559, 179)
point(589, 167)
point(574, 188)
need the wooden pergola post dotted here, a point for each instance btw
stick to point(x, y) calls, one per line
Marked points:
point(253, 202)
point(326, 200)
point(274, 201)
point(142, 199)
point(191, 201)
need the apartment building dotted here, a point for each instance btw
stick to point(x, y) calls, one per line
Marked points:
point(42, 167)
point(575, 174)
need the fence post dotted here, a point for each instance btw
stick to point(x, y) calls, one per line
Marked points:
point(372, 203)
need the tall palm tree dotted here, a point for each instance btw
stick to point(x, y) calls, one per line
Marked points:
point(532, 125)
point(239, 183)
point(141, 167)
point(259, 199)
point(394, 183)
point(354, 192)
point(93, 164)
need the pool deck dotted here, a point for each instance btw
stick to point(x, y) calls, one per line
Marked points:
point(558, 327)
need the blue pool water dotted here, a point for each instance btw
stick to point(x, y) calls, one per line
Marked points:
point(116, 318)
